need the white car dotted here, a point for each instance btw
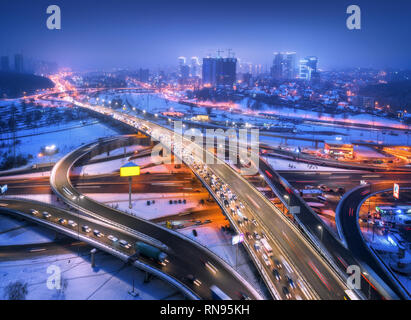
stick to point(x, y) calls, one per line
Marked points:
point(266, 260)
point(112, 238)
point(72, 224)
point(125, 244)
point(46, 215)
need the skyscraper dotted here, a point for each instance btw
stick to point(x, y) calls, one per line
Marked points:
point(195, 66)
point(183, 70)
point(5, 65)
point(284, 65)
point(18, 63)
point(308, 68)
point(219, 71)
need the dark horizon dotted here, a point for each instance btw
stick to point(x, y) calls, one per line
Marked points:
point(120, 34)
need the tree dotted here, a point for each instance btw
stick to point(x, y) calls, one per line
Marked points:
point(16, 291)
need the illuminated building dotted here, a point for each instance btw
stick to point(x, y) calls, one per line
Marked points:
point(219, 71)
point(284, 65)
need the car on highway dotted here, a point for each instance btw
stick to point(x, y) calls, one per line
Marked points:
point(112, 238)
point(192, 279)
point(34, 212)
point(266, 260)
point(62, 221)
point(290, 282)
point(324, 188)
point(72, 224)
point(276, 275)
point(46, 215)
point(256, 235)
point(86, 229)
point(254, 222)
point(98, 234)
point(286, 293)
point(257, 246)
point(277, 263)
point(124, 244)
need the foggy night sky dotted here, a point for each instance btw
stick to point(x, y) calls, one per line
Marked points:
point(153, 33)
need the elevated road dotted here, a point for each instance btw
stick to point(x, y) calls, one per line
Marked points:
point(186, 256)
point(347, 216)
point(283, 235)
point(169, 273)
point(371, 285)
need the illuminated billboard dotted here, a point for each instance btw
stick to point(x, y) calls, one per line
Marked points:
point(129, 170)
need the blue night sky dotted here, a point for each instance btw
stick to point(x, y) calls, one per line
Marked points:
point(126, 33)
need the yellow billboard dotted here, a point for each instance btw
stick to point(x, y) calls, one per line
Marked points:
point(129, 170)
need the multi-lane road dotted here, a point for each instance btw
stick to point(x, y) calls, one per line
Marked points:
point(323, 281)
point(311, 267)
point(186, 257)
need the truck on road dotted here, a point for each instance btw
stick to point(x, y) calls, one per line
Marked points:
point(151, 252)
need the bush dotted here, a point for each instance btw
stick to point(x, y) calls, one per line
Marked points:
point(16, 291)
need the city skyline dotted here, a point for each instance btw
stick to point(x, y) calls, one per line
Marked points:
point(152, 35)
point(176, 150)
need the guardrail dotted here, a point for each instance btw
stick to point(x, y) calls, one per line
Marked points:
point(111, 250)
point(153, 241)
point(318, 244)
point(380, 262)
point(121, 117)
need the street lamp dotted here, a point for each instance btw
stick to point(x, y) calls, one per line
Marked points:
point(321, 232)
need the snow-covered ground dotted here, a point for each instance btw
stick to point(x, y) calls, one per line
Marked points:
point(15, 232)
point(156, 104)
point(161, 207)
point(367, 152)
point(114, 166)
point(65, 140)
point(110, 279)
point(281, 164)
